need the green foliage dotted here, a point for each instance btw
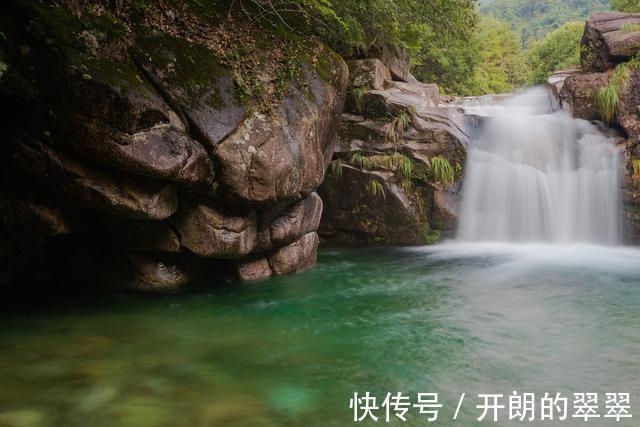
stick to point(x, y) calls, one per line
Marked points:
point(458, 170)
point(357, 95)
point(534, 19)
point(442, 170)
point(403, 164)
point(608, 98)
point(376, 189)
point(559, 50)
point(635, 167)
point(397, 126)
point(630, 28)
point(501, 65)
point(3, 68)
point(335, 169)
point(358, 160)
point(430, 236)
point(626, 5)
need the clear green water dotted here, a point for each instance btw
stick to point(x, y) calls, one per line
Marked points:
point(291, 351)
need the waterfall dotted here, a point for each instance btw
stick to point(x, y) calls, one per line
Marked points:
point(534, 175)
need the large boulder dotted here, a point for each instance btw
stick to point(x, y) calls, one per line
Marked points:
point(396, 58)
point(296, 256)
point(278, 228)
point(192, 79)
point(281, 156)
point(116, 122)
point(81, 184)
point(353, 215)
point(606, 40)
point(578, 95)
point(214, 231)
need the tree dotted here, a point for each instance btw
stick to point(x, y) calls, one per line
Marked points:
point(559, 50)
point(501, 65)
point(626, 5)
point(534, 19)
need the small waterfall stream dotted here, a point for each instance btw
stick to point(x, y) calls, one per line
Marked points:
point(534, 175)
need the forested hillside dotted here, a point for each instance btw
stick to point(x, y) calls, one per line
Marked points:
point(534, 19)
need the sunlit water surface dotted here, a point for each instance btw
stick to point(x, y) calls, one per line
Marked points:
point(477, 318)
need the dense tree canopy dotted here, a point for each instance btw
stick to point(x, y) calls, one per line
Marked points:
point(502, 66)
point(559, 50)
point(465, 46)
point(534, 19)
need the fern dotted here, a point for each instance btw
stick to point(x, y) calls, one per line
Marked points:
point(358, 97)
point(442, 170)
point(335, 169)
point(403, 164)
point(358, 160)
point(376, 189)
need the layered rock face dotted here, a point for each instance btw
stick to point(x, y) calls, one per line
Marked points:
point(132, 155)
point(607, 42)
point(383, 187)
point(610, 48)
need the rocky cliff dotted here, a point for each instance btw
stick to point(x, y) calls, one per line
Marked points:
point(396, 171)
point(607, 88)
point(149, 148)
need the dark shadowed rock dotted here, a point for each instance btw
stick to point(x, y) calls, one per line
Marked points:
point(216, 231)
point(91, 187)
point(146, 271)
point(296, 256)
point(110, 114)
point(353, 215)
point(279, 227)
point(192, 79)
point(395, 58)
point(153, 236)
point(34, 217)
point(603, 42)
point(253, 269)
point(115, 125)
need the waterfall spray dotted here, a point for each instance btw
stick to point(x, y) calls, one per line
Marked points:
point(534, 175)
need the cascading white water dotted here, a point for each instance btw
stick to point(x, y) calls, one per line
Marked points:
point(539, 176)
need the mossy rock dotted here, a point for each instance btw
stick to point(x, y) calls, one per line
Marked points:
point(194, 81)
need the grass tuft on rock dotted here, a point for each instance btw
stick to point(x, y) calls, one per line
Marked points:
point(376, 189)
point(442, 170)
point(630, 28)
point(608, 97)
